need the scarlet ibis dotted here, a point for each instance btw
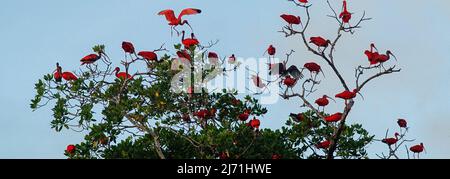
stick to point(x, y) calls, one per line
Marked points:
point(122, 75)
point(291, 19)
point(71, 149)
point(189, 41)
point(334, 118)
point(371, 55)
point(244, 116)
point(58, 73)
point(89, 59)
point(184, 55)
point(232, 59)
point(385, 57)
point(417, 149)
point(391, 141)
point(128, 47)
point(347, 95)
point(297, 117)
point(174, 21)
point(271, 50)
point(313, 68)
point(289, 81)
point(320, 42)
point(402, 123)
point(202, 114)
point(345, 15)
point(303, 1)
point(255, 123)
point(69, 76)
point(323, 101)
point(258, 81)
point(323, 145)
point(213, 57)
point(148, 55)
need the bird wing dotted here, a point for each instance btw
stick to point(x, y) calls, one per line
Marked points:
point(170, 15)
point(189, 11)
point(293, 71)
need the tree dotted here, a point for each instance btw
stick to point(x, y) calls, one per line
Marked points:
point(162, 108)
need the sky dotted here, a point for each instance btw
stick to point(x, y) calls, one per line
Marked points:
point(36, 34)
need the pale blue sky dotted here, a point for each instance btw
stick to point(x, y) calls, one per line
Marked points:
point(36, 34)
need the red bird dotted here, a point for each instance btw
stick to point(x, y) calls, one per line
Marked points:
point(174, 21)
point(232, 59)
point(391, 141)
point(69, 76)
point(297, 117)
point(122, 75)
point(319, 42)
point(184, 55)
point(71, 149)
point(244, 116)
point(313, 67)
point(402, 123)
point(258, 81)
point(334, 118)
point(202, 113)
point(289, 81)
point(58, 73)
point(323, 145)
point(417, 149)
point(271, 50)
point(323, 101)
point(213, 58)
point(189, 41)
point(148, 55)
point(385, 57)
point(303, 1)
point(255, 123)
point(371, 55)
point(347, 95)
point(128, 47)
point(345, 15)
point(89, 59)
point(291, 19)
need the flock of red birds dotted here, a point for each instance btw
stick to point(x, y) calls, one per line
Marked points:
point(373, 56)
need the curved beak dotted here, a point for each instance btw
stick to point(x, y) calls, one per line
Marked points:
point(393, 56)
point(330, 98)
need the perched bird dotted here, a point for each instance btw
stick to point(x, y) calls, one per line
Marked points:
point(289, 81)
point(417, 149)
point(323, 145)
point(345, 15)
point(391, 141)
point(402, 123)
point(258, 81)
point(148, 55)
point(371, 55)
point(189, 41)
point(128, 47)
point(297, 117)
point(58, 73)
point(385, 57)
point(291, 19)
point(347, 95)
point(323, 101)
point(334, 118)
point(89, 59)
point(319, 41)
point(69, 76)
point(255, 123)
point(271, 50)
point(122, 75)
point(294, 72)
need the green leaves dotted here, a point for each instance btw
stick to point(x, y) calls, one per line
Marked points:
point(99, 49)
point(40, 90)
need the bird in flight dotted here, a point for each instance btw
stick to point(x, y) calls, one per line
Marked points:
point(177, 21)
